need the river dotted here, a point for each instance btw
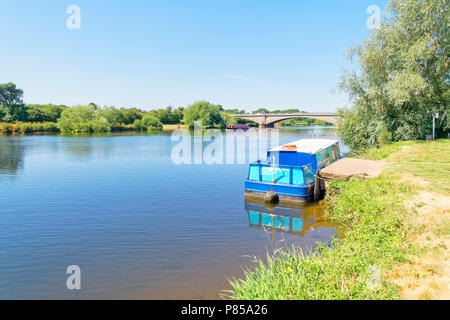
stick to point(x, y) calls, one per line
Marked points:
point(137, 224)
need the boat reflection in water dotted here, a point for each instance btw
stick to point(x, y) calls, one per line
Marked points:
point(296, 221)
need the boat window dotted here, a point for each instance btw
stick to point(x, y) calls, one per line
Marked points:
point(333, 153)
point(308, 174)
point(254, 173)
point(328, 158)
point(297, 176)
point(277, 175)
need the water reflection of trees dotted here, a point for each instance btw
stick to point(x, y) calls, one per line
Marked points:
point(12, 156)
point(85, 146)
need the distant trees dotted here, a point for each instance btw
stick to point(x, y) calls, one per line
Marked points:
point(235, 111)
point(114, 116)
point(303, 122)
point(83, 119)
point(261, 110)
point(122, 115)
point(93, 118)
point(151, 123)
point(168, 115)
point(11, 104)
point(209, 114)
point(43, 113)
point(13, 109)
point(403, 76)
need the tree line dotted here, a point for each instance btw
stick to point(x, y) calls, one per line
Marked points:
point(15, 116)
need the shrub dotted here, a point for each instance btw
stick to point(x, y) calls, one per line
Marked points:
point(28, 127)
point(83, 119)
point(44, 113)
point(137, 124)
point(385, 136)
point(151, 123)
point(209, 114)
point(121, 127)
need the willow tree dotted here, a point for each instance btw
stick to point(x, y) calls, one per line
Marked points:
point(402, 76)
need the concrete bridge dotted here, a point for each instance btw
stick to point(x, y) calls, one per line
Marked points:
point(269, 119)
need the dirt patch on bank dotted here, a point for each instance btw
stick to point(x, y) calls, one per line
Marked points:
point(427, 276)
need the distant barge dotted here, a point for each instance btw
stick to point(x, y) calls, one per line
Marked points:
point(289, 175)
point(238, 126)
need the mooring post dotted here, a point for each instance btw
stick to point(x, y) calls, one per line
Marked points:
point(317, 188)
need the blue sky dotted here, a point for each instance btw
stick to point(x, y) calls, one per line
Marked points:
point(151, 54)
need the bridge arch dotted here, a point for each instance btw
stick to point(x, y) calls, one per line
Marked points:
point(269, 119)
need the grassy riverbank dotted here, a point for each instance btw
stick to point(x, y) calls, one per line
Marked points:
point(396, 243)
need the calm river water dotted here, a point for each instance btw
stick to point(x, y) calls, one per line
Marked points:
point(137, 225)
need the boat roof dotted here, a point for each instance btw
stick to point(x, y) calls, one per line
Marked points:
point(311, 146)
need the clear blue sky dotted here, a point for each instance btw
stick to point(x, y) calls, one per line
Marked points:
point(151, 54)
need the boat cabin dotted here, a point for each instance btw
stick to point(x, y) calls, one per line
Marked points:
point(290, 169)
point(317, 152)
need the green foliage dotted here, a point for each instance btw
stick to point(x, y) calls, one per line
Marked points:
point(381, 152)
point(27, 127)
point(232, 120)
point(303, 122)
point(235, 111)
point(261, 110)
point(112, 115)
point(83, 119)
point(122, 115)
point(137, 124)
point(404, 72)
point(294, 123)
point(168, 115)
point(358, 129)
point(128, 116)
point(209, 114)
point(10, 94)
point(385, 136)
point(11, 104)
point(151, 123)
point(44, 113)
point(286, 111)
point(228, 119)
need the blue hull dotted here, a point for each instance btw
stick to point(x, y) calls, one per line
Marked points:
point(291, 192)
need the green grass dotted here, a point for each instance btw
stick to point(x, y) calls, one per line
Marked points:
point(374, 214)
point(443, 227)
point(380, 152)
point(425, 160)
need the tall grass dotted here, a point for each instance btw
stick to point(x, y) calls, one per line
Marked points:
point(353, 266)
point(27, 127)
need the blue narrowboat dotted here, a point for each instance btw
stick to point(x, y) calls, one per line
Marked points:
point(290, 170)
